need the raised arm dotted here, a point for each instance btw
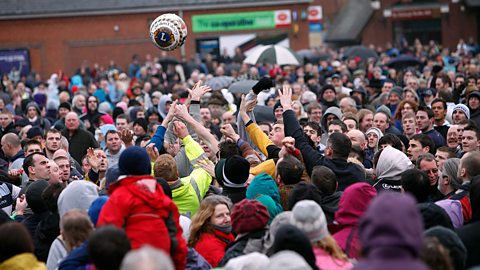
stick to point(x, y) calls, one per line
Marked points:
point(293, 129)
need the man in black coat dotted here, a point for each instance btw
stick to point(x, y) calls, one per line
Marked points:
point(336, 152)
point(79, 139)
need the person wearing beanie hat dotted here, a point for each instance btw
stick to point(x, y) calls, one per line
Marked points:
point(140, 127)
point(249, 222)
point(473, 103)
point(92, 113)
point(35, 133)
point(459, 113)
point(278, 110)
point(287, 260)
point(394, 98)
point(289, 237)
point(308, 216)
point(373, 136)
point(232, 174)
point(278, 221)
point(95, 208)
point(135, 199)
point(34, 116)
point(452, 242)
point(251, 261)
point(328, 97)
point(33, 198)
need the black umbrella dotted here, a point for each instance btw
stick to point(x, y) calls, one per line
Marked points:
point(263, 114)
point(311, 56)
point(220, 82)
point(168, 61)
point(243, 86)
point(403, 61)
point(360, 51)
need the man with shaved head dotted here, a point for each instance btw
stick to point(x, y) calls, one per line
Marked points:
point(359, 140)
point(79, 139)
point(12, 148)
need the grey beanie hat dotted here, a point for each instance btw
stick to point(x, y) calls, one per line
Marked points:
point(308, 216)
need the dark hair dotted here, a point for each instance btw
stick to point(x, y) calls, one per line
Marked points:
point(425, 141)
point(50, 196)
point(107, 246)
point(228, 149)
point(446, 149)
point(52, 130)
point(415, 182)
point(435, 255)
point(356, 151)
point(473, 128)
point(304, 191)
point(31, 142)
point(444, 103)
point(325, 179)
point(15, 239)
point(111, 132)
point(28, 162)
point(339, 123)
point(427, 110)
point(315, 126)
point(424, 157)
point(340, 144)
point(290, 170)
point(392, 140)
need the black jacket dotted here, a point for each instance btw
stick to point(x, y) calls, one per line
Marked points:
point(80, 141)
point(234, 194)
point(347, 173)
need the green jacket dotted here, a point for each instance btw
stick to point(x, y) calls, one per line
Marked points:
point(188, 192)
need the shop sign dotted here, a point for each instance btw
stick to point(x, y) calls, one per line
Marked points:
point(415, 14)
point(241, 21)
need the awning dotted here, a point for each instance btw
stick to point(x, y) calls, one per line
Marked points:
point(349, 23)
point(473, 3)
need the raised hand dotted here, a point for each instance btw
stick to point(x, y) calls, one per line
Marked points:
point(180, 129)
point(247, 105)
point(289, 143)
point(152, 152)
point(181, 112)
point(127, 136)
point(198, 90)
point(228, 132)
point(207, 165)
point(286, 97)
point(21, 205)
point(92, 159)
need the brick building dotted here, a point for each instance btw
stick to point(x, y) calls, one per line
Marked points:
point(63, 34)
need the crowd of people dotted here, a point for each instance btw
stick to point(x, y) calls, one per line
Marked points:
point(343, 162)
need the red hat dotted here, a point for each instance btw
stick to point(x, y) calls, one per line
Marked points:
point(248, 216)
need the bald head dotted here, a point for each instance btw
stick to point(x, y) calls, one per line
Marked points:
point(357, 138)
point(11, 144)
point(71, 121)
point(60, 153)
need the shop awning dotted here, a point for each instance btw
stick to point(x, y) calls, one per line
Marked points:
point(349, 23)
point(473, 3)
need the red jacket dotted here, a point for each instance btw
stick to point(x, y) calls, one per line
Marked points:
point(212, 246)
point(138, 204)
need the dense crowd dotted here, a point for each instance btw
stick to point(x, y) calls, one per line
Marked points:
point(343, 162)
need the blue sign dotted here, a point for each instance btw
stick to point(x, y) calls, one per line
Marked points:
point(315, 27)
point(18, 59)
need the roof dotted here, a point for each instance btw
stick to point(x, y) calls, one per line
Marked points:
point(350, 22)
point(23, 9)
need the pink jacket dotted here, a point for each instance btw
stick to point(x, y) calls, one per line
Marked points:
point(325, 261)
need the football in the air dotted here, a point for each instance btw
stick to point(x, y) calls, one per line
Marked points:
point(168, 32)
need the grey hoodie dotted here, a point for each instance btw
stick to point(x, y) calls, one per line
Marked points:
point(391, 164)
point(77, 195)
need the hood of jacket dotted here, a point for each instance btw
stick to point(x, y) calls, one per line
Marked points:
point(353, 203)
point(35, 105)
point(384, 231)
point(162, 105)
point(263, 184)
point(392, 163)
point(79, 194)
point(143, 187)
point(331, 110)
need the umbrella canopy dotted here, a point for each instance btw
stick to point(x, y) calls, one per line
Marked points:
point(243, 86)
point(403, 61)
point(360, 51)
point(220, 82)
point(263, 114)
point(312, 56)
point(273, 54)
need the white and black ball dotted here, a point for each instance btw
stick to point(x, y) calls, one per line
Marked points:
point(168, 32)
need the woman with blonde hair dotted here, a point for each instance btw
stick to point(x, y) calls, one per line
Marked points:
point(308, 216)
point(211, 228)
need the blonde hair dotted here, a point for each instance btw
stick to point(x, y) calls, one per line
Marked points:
point(201, 220)
point(329, 245)
point(165, 167)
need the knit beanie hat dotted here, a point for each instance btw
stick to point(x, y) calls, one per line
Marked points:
point(65, 105)
point(304, 191)
point(385, 109)
point(233, 171)
point(277, 104)
point(249, 216)
point(463, 108)
point(111, 176)
point(134, 161)
point(308, 216)
point(452, 242)
point(34, 132)
point(96, 208)
point(375, 130)
point(291, 238)
point(397, 90)
point(142, 122)
point(34, 196)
